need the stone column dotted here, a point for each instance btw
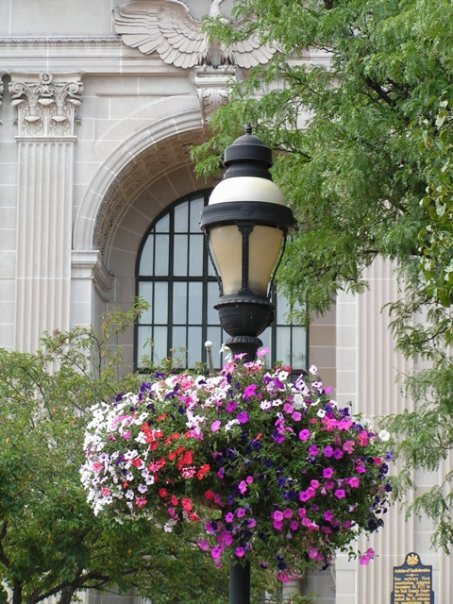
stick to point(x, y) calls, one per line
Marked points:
point(46, 105)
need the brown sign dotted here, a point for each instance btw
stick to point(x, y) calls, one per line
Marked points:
point(412, 582)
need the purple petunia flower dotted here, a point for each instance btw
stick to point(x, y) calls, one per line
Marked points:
point(231, 406)
point(243, 417)
point(249, 391)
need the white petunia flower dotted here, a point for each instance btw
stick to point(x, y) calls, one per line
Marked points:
point(384, 435)
point(230, 424)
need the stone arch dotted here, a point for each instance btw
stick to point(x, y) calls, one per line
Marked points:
point(158, 149)
point(145, 174)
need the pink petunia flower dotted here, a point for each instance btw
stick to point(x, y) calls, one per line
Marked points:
point(365, 558)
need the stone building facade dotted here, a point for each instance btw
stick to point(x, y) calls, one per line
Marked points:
point(96, 124)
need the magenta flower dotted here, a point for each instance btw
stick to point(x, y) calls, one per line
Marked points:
point(262, 352)
point(239, 552)
point(231, 406)
point(340, 493)
point(304, 434)
point(278, 526)
point(215, 425)
point(216, 552)
point(249, 391)
point(293, 525)
point(313, 553)
point(365, 558)
point(362, 438)
point(313, 450)
point(327, 473)
point(203, 545)
point(242, 487)
point(348, 446)
point(328, 451)
point(354, 482)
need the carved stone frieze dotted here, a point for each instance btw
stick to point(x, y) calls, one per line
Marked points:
point(146, 169)
point(46, 103)
point(213, 85)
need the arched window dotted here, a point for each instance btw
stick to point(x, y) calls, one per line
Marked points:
point(174, 274)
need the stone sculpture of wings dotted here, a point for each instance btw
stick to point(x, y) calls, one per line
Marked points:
point(167, 27)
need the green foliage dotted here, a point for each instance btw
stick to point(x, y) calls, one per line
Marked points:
point(50, 542)
point(363, 146)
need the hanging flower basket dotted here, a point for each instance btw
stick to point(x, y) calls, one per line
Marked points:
point(271, 469)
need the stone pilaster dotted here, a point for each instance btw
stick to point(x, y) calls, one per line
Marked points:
point(369, 371)
point(46, 105)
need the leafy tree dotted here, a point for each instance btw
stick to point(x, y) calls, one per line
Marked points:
point(363, 140)
point(51, 544)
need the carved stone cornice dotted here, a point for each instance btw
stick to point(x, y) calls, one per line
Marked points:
point(46, 103)
point(213, 84)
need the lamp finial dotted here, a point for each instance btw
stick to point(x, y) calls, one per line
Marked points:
point(248, 128)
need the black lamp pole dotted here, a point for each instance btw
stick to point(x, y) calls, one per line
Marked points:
point(246, 225)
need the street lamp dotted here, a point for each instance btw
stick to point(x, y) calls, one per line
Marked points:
point(246, 224)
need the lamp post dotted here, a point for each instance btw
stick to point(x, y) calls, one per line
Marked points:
point(246, 223)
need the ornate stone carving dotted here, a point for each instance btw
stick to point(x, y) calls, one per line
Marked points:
point(212, 87)
point(167, 27)
point(46, 103)
point(152, 164)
